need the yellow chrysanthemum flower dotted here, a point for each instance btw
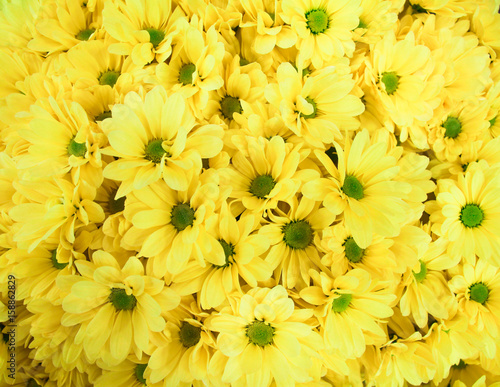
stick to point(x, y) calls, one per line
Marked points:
point(265, 172)
point(144, 29)
point(478, 297)
point(294, 236)
point(350, 309)
point(486, 25)
point(169, 226)
point(59, 139)
point(65, 23)
point(194, 69)
point(318, 106)
point(156, 138)
point(465, 213)
point(15, 67)
point(426, 290)
point(54, 211)
point(402, 73)
point(90, 65)
point(461, 125)
point(264, 18)
point(243, 85)
point(263, 337)
point(363, 188)
point(183, 350)
point(116, 307)
point(243, 251)
point(323, 28)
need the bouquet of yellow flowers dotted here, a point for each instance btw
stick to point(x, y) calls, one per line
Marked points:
point(262, 193)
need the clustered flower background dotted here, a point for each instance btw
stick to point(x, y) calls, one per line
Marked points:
point(250, 192)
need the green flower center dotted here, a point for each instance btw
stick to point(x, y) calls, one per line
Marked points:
point(390, 80)
point(55, 263)
point(244, 62)
point(85, 34)
point(189, 334)
point(471, 215)
point(341, 303)
point(139, 372)
point(298, 234)
point(155, 36)
point(103, 116)
point(186, 74)
point(230, 105)
point(121, 300)
point(77, 149)
point(154, 151)
point(228, 252)
point(313, 114)
point(453, 127)
point(109, 78)
point(262, 185)
point(33, 383)
point(461, 365)
point(116, 205)
point(420, 276)
point(492, 121)
point(353, 188)
point(317, 21)
point(479, 292)
point(353, 252)
point(182, 216)
point(260, 333)
point(332, 154)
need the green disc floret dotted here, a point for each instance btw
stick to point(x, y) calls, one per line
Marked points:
point(479, 292)
point(453, 127)
point(261, 186)
point(154, 151)
point(313, 114)
point(362, 24)
point(186, 74)
point(55, 263)
point(493, 121)
point(298, 234)
point(417, 8)
point(77, 149)
point(317, 21)
point(85, 34)
point(341, 303)
point(121, 300)
point(391, 81)
point(420, 276)
point(260, 333)
point(155, 36)
point(189, 334)
point(109, 78)
point(471, 215)
point(244, 62)
point(230, 105)
point(353, 188)
point(353, 252)
point(182, 216)
point(461, 365)
point(139, 373)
